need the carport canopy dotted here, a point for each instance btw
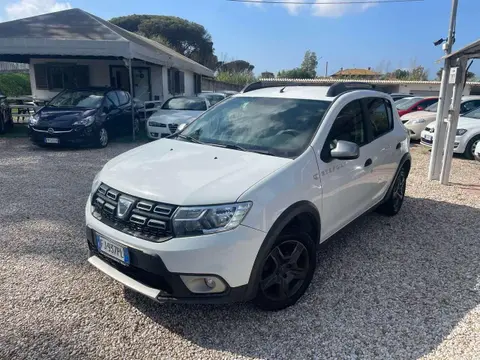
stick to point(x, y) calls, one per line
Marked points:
point(453, 83)
point(79, 34)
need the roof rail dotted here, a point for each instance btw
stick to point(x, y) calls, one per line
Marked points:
point(341, 87)
point(273, 83)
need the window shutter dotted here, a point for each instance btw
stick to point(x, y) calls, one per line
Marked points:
point(41, 77)
point(181, 79)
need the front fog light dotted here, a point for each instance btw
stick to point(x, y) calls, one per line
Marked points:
point(199, 284)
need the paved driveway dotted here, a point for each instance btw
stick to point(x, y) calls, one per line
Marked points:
point(402, 287)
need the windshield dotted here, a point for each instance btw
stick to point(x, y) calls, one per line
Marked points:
point(78, 98)
point(281, 127)
point(185, 103)
point(432, 108)
point(475, 114)
point(213, 98)
point(408, 103)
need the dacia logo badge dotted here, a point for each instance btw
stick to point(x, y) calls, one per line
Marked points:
point(124, 206)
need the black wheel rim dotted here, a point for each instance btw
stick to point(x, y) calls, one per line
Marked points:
point(399, 191)
point(285, 270)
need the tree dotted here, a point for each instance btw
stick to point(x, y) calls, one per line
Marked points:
point(235, 66)
point(418, 73)
point(309, 64)
point(15, 84)
point(238, 78)
point(267, 75)
point(470, 75)
point(186, 37)
point(296, 73)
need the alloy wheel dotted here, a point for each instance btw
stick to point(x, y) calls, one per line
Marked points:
point(103, 137)
point(399, 191)
point(285, 270)
point(474, 146)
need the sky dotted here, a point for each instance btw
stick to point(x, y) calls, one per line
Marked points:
point(275, 37)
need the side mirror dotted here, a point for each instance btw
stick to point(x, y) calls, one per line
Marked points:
point(181, 127)
point(345, 150)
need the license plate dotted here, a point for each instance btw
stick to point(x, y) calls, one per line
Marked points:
point(112, 249)
point(428, 137)
point(51, 141)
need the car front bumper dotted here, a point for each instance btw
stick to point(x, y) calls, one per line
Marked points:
point(75, 136)
point(426, 139)
point(156, 269)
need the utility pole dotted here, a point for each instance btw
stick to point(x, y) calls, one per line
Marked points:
point(444, 101)
point(326, 68)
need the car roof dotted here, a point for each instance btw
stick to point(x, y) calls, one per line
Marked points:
point(470, 97)
point(291, 92)
point(210, 93)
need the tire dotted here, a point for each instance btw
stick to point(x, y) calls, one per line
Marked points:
point(394, 203)
point(286, 272)
point(102, 138)
point(470, 149)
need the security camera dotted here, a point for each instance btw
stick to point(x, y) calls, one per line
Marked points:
point(439, 42)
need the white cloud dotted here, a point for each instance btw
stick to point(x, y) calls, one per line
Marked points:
point(26, 8)
point(323, 10)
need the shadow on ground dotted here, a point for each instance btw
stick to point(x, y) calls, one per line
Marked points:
point(383, 286)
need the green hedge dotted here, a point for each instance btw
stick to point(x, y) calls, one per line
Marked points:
point(15, 84)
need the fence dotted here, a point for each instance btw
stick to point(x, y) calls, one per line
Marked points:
point(22, 108)
point(13, 67)
point(214, 85)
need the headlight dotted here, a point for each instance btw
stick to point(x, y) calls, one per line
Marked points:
point(417, 121)
point(155, 124)
point(199, 220)
point(85, 122)
point(460, 132)
point(96, 183)
point(33, 120)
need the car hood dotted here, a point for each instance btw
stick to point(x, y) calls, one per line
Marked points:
point(463, 123)
point(175, 116)
point(183, 173)
point(427, 115)
point(62, 117)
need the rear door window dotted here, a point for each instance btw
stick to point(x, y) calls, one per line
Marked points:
point(380, 116)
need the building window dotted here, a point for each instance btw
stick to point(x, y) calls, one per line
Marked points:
point(56, 76)
point(176, 81)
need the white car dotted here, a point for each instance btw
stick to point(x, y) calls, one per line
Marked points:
point(213, 97)
point(234, 207)
point(417, 121)
point(467, 137)
point(173, 113)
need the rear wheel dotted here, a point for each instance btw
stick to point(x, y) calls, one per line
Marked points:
point(470, 149)
point(286, 272)
point(394, 203)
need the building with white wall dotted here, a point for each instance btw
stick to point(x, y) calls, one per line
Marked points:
point(73, 48)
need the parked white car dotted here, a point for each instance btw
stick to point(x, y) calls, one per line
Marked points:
point(468, 134)
point(417, 121)
point(173, 113)
point(213, 97)
point(234, 207)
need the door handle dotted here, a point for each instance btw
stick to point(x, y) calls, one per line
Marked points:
point(368, 162)
point(399, 145)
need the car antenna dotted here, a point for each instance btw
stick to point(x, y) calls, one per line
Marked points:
point(283, 89)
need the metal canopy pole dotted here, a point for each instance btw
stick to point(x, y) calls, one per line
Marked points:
point(452, 123)
point(443, 102)
point(130, 74)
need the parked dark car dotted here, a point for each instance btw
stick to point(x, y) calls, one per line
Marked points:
point(6, 121)
point(90, 116)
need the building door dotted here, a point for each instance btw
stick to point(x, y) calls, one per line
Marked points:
point(141, 81)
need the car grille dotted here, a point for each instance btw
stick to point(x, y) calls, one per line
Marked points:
point(144, 219)
point(173, 128)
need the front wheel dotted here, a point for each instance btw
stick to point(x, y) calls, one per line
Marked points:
point(286, 272)
point(470, 149)
point(102, 138)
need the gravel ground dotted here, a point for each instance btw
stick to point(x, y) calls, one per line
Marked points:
point(402, 287)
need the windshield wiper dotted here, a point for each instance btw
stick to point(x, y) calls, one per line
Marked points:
point(190, 138)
